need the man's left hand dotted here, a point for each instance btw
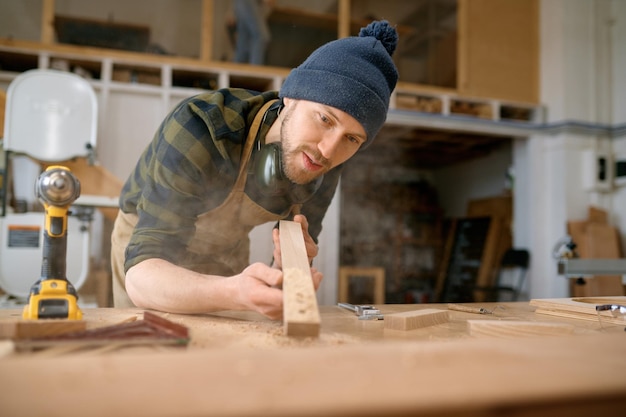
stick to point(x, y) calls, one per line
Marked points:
point(309, 243)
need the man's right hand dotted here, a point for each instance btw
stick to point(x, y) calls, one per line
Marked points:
point(259, 290)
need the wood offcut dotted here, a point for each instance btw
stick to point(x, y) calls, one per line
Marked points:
point(501, 328)
point(301, 315)
point(581, 308)
point(152, 330)
point(411, 320)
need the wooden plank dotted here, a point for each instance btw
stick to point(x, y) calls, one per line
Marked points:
point(96, 180)
point(582, 375)
point(499, 206)
point(152, 330)
point(343, 19)
point(472, 245)
point(146, 59)
point(506, 328)
point(595, 239)
point(28, 329)
point(486, 277)
point(598, 215)
point(583, 308)
point(301, 316)
point(411, 320)
point(47, 21)
point(3, 101)
point(206, 41)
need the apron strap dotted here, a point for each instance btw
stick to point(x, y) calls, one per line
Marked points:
point(247, 149)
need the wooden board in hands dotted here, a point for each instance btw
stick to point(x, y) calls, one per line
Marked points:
point(301, 316)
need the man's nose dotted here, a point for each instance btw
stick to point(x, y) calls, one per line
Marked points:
point(328, 145)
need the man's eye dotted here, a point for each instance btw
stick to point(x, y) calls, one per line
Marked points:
point(324, 118)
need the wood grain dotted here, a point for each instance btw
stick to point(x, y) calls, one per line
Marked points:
point(301, 315)
point(504, 328)
point(538, 377)
point(411, 320)
point(28, 329)
point(583, 308)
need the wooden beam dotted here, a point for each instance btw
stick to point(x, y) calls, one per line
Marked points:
point(301, 315)
point(343, 19)
point(206, 41)
point(47, 21)
point(3, 100)
point(582, 308)
point(96, 180)
point(146, 59)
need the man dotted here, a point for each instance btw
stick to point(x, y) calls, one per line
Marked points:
point(253, 32)
point(226, 161)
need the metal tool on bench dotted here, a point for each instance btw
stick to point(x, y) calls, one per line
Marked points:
point(53, 296)
point(570, 265)
point(363, 312)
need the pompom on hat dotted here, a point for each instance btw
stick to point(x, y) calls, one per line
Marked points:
point(355, 74)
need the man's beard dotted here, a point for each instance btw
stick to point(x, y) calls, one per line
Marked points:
point(293, 152)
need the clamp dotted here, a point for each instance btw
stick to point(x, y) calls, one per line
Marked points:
point(363, 312)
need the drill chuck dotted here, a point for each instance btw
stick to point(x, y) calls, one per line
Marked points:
point(57, 187)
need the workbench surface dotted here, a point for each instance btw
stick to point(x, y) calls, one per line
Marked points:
point(242, 364)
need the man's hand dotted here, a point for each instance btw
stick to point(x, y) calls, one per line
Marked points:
point(258, 290)
point(309, 243)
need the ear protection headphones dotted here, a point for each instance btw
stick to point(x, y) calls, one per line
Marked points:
point(267, 169)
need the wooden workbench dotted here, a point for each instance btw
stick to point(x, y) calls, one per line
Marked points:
point(241, 364)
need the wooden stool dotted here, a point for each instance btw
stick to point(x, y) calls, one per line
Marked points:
point(372, 279)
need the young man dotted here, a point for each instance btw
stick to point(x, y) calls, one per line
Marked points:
point(226, 161)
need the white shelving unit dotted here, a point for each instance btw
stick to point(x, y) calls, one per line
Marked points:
point(136, 91)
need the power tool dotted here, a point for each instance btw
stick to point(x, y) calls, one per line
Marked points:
point(53, 296)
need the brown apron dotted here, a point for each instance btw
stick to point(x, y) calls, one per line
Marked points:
point(220, 245)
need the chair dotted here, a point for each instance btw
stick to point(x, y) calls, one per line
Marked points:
point(361, 285)
point(510, 277)
point(50, 117)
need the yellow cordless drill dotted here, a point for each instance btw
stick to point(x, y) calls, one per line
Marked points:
point(53, 296)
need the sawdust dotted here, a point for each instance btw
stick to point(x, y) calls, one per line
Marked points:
point(220, 332)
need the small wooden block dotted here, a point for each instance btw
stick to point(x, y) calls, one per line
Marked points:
point(301, 314)
point(411, 320)
point(29, 329)
point(503, 328)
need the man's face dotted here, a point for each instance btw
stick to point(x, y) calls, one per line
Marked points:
point(316, 138)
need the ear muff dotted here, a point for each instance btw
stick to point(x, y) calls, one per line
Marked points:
point(270, 178)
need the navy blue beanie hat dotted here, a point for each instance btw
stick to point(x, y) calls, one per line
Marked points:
point(355, 74)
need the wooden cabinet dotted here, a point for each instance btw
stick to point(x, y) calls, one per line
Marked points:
point(478, 48)
point(498, 49)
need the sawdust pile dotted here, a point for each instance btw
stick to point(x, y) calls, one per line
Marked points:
point(220, 332)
